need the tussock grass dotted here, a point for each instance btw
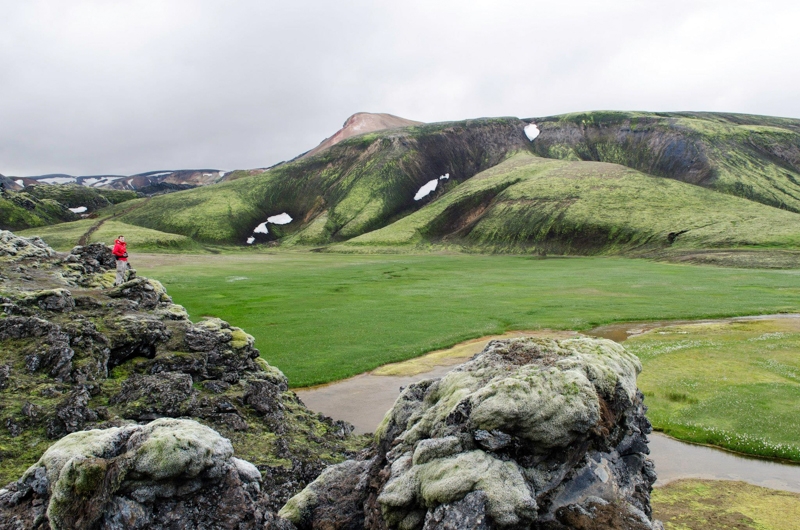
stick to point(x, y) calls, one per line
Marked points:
point(734, 385)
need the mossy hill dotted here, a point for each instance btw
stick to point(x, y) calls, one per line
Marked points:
point(755, 157)
point(356, 186)
point(46, 204)
point(597, 182)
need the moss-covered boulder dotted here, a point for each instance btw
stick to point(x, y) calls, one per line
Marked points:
point(138, 476)
point(531, 433)
point(16, 247)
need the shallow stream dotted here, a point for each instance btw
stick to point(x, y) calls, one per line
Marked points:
point(364, 399)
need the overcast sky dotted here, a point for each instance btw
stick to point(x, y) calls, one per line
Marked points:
point(122, 87)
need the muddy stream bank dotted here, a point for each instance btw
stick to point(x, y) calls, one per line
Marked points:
point(364, 399)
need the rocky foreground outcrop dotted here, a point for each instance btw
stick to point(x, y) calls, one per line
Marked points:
point(531, 433)
point(77, 353)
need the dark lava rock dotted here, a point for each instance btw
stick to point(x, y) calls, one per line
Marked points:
point(146, 397)
point(95, 257)
point(532, 433)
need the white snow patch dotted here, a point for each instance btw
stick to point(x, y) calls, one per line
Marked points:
point(280, 219)
point(250, 240)
point(222, 173)
point(79, 209)
point(58, 180)
point(97, 182)
point(531, 131)
point(261, 229)
point(446, 176)
point(425, 190)
point(20, 182)
point(206, 174)
point(160, 174)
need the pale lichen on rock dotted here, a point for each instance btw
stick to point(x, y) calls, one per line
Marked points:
point(531, 433)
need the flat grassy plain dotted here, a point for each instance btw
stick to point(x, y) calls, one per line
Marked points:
point(733, 384)
point(324, 317)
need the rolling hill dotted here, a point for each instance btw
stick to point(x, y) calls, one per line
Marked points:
point(42, 205)
point(595, 182)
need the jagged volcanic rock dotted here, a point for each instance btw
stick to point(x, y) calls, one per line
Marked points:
point(77, 353)
point(532, 433)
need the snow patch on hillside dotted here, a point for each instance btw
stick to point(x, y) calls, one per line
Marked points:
point(58, 180)
point(280, 219)
point(261, 229)
point(531, 131)
point(79, 209)
point(446, 176)
point(426, 190)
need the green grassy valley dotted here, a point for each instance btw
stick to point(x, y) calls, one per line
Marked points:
point(321, 317)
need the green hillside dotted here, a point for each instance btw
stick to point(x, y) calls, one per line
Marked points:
point(48, 204)
point(75, 195)
point(596, 182)
point(560, 207)
point(756, 157)
point(66, 235)
point(19, 210)
point(358, 185)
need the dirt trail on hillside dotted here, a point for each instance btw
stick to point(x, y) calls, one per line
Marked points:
point(84, 239)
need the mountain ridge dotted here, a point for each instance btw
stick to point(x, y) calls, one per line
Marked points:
point(360, 193)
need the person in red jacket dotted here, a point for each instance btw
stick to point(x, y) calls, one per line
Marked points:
point(121, 253)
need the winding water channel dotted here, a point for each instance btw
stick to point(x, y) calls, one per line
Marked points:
point(364, 399)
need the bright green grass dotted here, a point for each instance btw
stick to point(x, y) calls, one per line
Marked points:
point(62, 236)
point(323, 317)
point(66, 235)
point(736, 385)
point(143, 238)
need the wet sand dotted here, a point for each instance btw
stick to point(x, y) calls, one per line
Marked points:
point(622, 331)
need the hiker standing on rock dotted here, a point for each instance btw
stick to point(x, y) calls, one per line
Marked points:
point(121, 253)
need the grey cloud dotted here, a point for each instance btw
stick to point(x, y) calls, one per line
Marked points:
point(123, 87)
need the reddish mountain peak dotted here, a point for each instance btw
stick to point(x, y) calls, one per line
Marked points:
point(362, 123)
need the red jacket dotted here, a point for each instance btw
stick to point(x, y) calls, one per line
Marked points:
point(119, 250)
